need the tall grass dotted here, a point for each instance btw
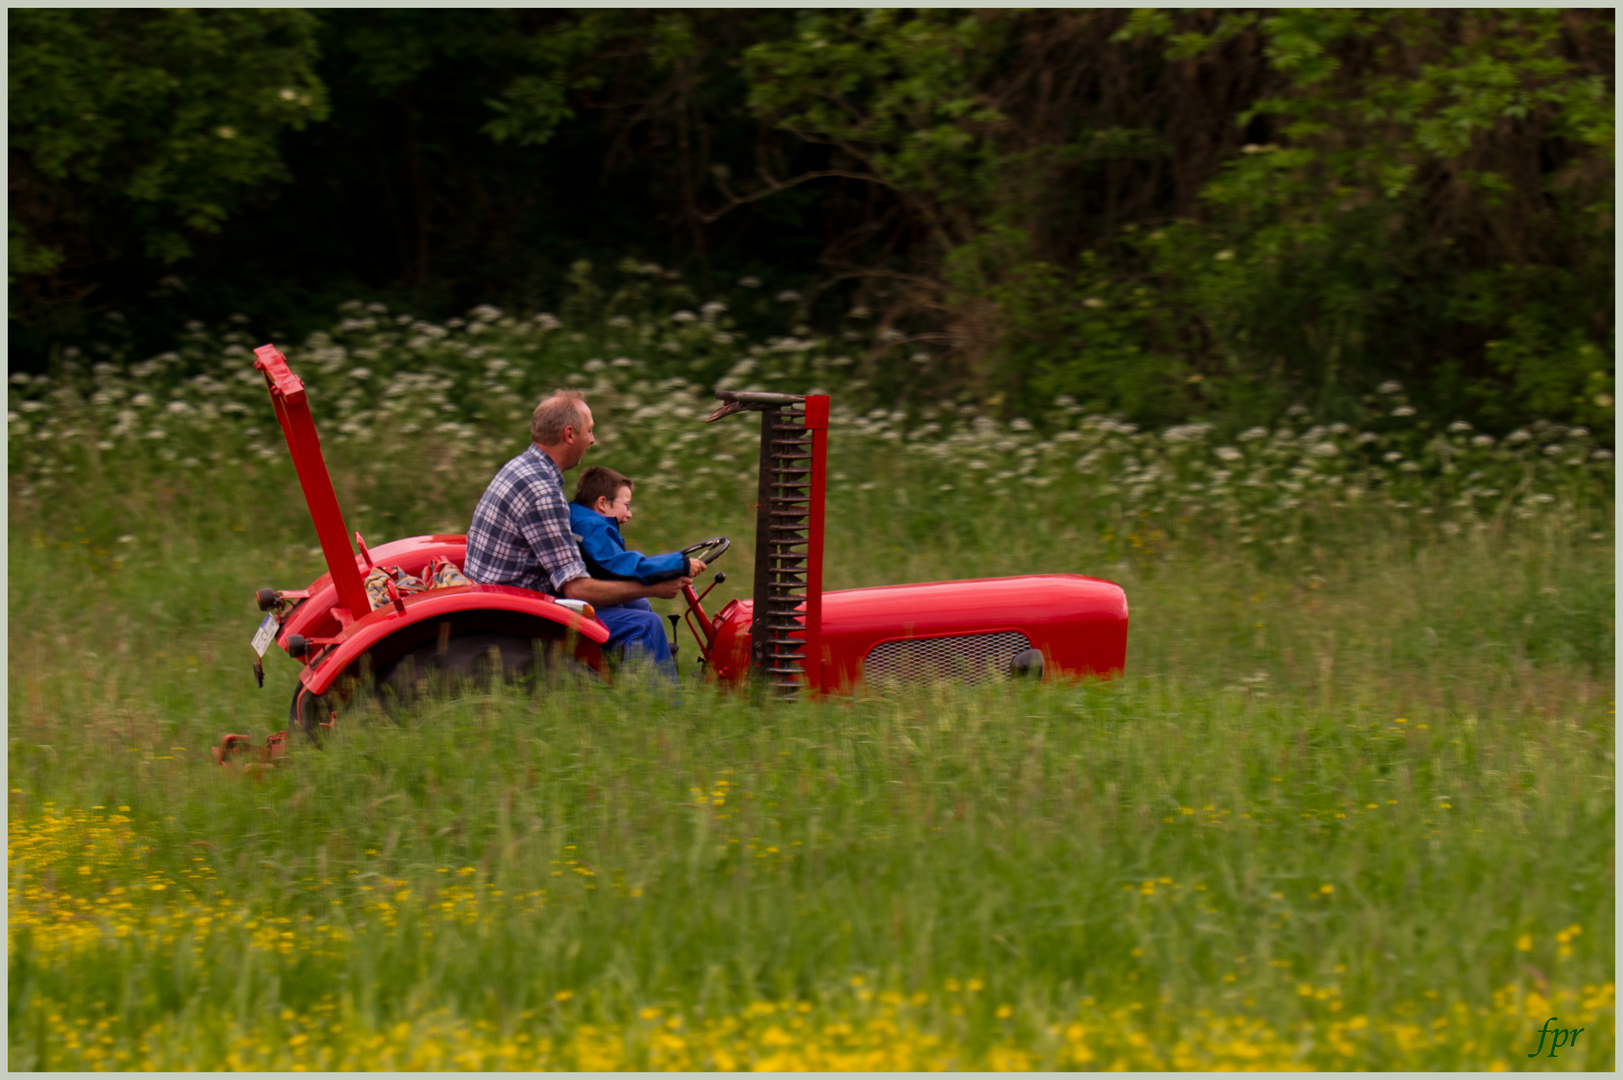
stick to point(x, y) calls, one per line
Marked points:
point(1350, 807)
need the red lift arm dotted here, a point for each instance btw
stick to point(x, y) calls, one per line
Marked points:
point(293, 413)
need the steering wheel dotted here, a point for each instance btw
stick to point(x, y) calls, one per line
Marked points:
point(708, 551)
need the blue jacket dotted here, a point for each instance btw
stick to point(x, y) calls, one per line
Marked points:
point(606, 555)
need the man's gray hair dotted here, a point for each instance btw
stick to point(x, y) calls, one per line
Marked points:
point(560, 409)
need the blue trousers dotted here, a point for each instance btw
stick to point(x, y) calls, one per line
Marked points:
point(635, 626)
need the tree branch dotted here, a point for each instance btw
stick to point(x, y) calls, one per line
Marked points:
point(775, 186)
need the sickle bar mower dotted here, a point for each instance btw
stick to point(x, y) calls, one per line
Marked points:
point(784, 638)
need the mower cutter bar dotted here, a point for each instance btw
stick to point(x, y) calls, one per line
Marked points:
point(786, 631)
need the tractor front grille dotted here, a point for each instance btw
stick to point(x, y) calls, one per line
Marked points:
point(969, 658)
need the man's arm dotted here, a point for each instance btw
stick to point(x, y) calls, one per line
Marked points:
point(608, 593)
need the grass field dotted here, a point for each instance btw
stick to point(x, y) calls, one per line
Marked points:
point(1350, 807)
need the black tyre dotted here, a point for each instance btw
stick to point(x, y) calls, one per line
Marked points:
point(471, 660)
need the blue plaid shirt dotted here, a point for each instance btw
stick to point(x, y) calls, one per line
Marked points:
point(520, 533)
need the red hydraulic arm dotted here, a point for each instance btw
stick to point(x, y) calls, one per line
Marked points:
point(816, 410)
point(293, 413)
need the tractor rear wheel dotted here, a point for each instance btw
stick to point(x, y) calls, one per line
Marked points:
point(308, 713)
point(470, 659)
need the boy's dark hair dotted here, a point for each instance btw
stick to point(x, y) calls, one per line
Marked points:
point(600, 481)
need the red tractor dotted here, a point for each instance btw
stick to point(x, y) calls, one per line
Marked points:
point(791, 636)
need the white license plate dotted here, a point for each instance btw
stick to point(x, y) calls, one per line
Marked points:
point(265, 634)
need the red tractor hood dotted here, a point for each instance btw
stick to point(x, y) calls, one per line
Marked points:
point(1079, 623)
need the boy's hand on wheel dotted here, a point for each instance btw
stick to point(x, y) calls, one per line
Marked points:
point(695, 568)
point(669, 590)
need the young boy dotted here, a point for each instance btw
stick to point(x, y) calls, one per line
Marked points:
point(602, 504)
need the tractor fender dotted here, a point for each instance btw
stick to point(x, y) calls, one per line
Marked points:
point(313, 617)
point(387, 633)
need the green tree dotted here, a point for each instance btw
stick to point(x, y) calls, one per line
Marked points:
point(1432, 201)
point(134, 130)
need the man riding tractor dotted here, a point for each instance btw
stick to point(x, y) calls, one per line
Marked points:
point(521, 534)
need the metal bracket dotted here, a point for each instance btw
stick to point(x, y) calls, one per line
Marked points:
point(236, 751)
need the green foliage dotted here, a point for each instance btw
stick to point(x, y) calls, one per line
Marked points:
point(1344, 251)
point(1172, 213)
point(894, 91)
point(153, 122)
point(1397, 208)
point(1084, 335)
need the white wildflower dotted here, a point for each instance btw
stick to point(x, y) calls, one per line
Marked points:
point(683, 316)
point(1482, 440)
point(1186, 433)
point(789, 296)
point(1251, 434)
point(1390, 387)
point(360, 373)
point(750, 282)
point(1391, 456)
point(1403, 410)
point(1458, 426)
point(1553, 449)
point(1324, 449)
point(1518, 436)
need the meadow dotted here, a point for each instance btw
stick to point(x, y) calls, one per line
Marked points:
point(1350, 806)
